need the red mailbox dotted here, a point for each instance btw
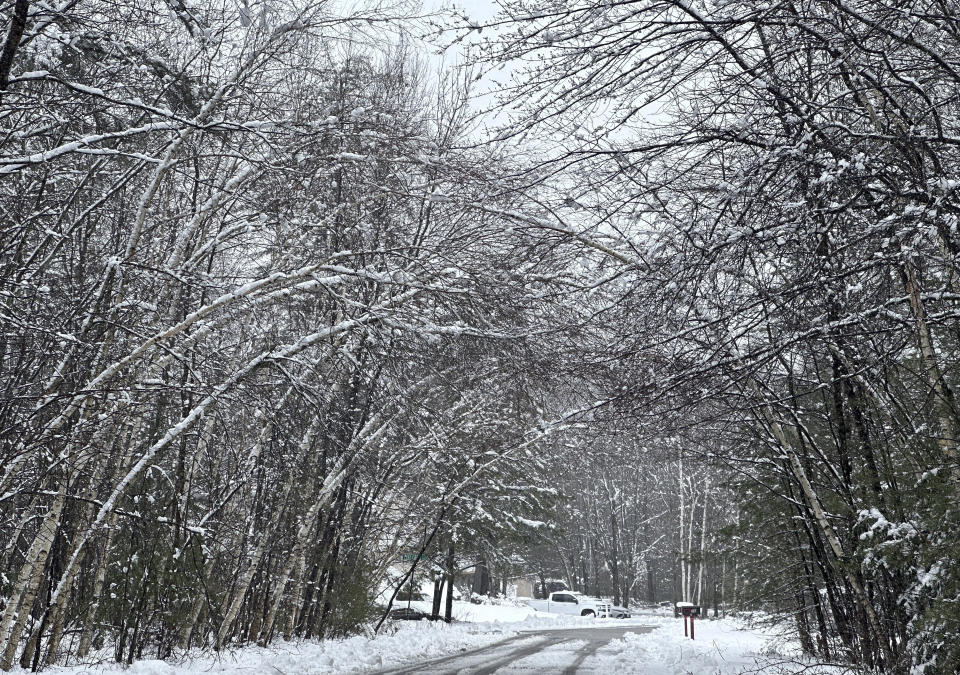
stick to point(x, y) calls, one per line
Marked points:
point(689, 612)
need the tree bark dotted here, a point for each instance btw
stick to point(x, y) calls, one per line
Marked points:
point(703, 541)
point(18, 23)
point(451, 573)
point(240, 593)
point(813, 501)
point(20, 604)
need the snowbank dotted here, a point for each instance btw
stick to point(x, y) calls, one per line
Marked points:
point(723, 647)
point(408, 642)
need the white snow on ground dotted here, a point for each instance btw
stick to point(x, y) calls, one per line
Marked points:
point(722, 647)
point(407, 642)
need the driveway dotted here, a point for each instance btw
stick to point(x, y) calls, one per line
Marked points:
point(567, 650)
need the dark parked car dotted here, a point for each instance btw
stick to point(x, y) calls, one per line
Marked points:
point(410, 614)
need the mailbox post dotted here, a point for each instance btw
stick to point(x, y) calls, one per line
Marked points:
point(689, 611)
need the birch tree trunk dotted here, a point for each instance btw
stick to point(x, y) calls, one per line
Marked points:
point(20, 604)
point(944, 399)
point(295, 560)
point(834, 542)
point(688, 591)
point(240, 593)
point(681, 521)
point(703, 541)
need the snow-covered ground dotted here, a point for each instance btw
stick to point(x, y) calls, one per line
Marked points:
point(724, 646)
point(401, 643)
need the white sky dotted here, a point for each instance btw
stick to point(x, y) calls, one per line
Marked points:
point(480, 12)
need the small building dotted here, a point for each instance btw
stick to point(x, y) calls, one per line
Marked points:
point(521, 587)
point(531, 586)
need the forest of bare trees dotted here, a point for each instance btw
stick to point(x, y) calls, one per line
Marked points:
point(670, 311)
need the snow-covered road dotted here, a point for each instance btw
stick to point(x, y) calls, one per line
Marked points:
point(571, 650)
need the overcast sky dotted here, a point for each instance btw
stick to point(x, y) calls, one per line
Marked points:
point(475, 9)
point(480, 11)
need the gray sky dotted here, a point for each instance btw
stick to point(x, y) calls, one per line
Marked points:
point(476, 9)
point(480, 11)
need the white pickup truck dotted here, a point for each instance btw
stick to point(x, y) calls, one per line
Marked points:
point(568, 602)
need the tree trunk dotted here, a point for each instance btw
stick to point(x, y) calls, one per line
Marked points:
point(437, 594)
point(943, 394)
point(614, 554)
point(233, 608)
point(18, 22)
point(703, 541)
point(20, 605)
point(803, 625)
point(296, 558)
point(681, 522)
point(451, 572)
point(813, 501)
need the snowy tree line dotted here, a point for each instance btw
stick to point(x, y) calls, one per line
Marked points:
point(248, 341)
point(637, 522)
point(273, 316)
point(776, 184)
